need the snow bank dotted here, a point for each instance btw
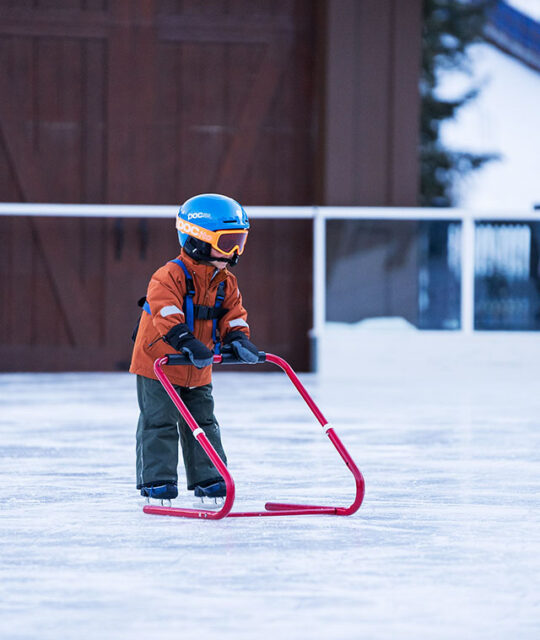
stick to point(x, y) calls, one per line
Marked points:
point(356, 351)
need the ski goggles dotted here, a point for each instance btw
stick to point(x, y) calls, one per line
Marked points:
point(226, 241)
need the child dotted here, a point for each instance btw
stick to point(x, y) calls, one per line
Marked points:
point(192, 305)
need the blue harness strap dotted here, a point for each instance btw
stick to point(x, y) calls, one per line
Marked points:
point(192, 311)
point(220, 296)
point(190, 292)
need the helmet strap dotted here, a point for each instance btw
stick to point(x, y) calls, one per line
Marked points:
point(234, 260)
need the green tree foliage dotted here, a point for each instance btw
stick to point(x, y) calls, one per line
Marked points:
point(449, 27)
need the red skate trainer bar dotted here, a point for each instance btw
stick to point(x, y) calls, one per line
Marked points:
point(272, 508)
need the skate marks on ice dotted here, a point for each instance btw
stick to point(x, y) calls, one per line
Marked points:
point(445, 545)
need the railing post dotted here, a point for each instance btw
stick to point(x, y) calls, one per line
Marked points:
point(467, 272)
point(319, 284)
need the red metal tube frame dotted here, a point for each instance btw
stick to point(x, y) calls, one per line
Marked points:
point(272, 508)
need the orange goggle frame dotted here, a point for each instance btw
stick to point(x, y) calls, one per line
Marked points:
point(226, 241)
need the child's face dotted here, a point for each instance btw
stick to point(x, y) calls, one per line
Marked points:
point(219, 263)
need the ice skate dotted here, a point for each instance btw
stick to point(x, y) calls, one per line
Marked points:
point(162, 492)
point(211, 496)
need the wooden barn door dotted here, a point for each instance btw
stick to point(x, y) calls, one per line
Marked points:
point(114, 101)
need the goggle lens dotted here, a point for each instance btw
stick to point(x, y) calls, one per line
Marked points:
point(228, 242)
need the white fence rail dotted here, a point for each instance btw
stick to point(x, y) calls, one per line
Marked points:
point(319, 215)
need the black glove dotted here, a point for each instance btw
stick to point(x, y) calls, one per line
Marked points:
point(181, 339)
point(237, 343)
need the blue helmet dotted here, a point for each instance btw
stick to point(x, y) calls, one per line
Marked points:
point(211, 221)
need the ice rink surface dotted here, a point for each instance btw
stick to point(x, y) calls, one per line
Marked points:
point(446, 545)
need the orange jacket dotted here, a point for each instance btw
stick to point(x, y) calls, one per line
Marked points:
point(165, 296)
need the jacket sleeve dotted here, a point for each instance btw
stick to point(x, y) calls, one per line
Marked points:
point(166, 299)
point(236, 317)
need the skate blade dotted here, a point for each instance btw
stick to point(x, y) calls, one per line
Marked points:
point(158, 502)
point(210, 504)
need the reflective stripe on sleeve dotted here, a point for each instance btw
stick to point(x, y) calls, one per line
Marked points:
point(238, 322)
point(170, 310)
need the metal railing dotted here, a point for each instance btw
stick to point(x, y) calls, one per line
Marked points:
point(319, 215)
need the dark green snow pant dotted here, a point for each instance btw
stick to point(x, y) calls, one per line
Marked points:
point(160, 424)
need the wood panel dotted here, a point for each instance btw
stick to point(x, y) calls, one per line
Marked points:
point(405, 99)
point(103, 87)
point(46, 329)
point(371, 102)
